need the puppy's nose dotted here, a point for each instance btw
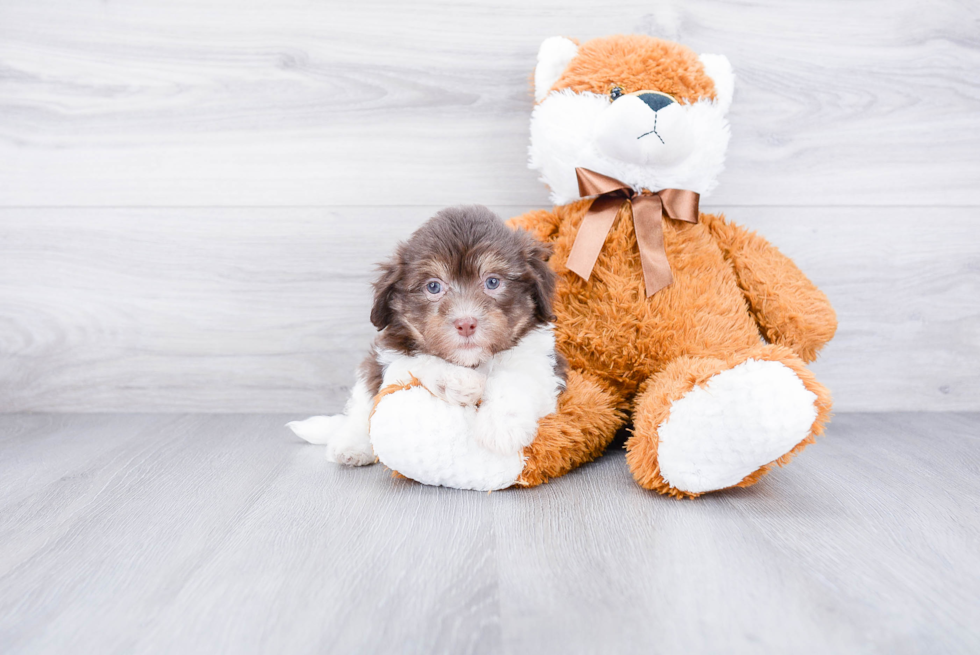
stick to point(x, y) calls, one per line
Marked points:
point(465, 326)
point(654, 100)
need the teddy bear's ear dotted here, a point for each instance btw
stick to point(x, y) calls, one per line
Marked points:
point(553, 56)
point(719, 70)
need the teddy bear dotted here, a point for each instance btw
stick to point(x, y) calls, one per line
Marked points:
point(690, 329)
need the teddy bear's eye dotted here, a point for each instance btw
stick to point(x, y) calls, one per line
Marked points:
point(615, 92)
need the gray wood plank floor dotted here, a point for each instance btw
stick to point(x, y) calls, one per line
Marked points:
point(197, 533)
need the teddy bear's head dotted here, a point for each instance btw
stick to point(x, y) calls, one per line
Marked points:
point(645, 111)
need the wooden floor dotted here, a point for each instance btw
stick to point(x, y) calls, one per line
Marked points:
point(195, 533)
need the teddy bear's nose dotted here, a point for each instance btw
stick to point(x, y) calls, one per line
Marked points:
point(655, 101)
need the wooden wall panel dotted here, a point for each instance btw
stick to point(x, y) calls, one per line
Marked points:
point(220, 102)
point(232, 310)
point(192, 193)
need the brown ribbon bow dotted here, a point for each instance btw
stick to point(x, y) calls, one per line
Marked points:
point(648, 210)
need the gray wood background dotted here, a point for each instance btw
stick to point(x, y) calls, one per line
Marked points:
point(192, 194)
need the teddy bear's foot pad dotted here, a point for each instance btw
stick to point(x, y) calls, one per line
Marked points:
point(430, 441)
point(740, 420)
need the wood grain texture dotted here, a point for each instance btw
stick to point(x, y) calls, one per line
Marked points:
point(203, 534)
point(192, 193)
point(232, 310)
point(427, 103)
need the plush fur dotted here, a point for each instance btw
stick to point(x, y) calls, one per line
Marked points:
point(711, 368)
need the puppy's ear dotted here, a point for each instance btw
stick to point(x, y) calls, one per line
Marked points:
point(384, 291)
point(536, 255)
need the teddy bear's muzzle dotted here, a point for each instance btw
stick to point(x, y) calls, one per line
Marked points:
point(645, 128)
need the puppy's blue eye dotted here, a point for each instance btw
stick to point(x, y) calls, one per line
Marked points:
point(433, 287)
point(492, 282)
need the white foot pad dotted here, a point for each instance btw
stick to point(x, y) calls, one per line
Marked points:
point(742, 419)
point(431, 441)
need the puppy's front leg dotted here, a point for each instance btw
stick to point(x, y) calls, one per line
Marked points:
point(345, 435)
point(457, 385)
point(507, 420)
point(522, 387)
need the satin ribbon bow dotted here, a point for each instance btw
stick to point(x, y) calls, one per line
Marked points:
point(648, 211)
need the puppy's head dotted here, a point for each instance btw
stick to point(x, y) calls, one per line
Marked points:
point(463, 287)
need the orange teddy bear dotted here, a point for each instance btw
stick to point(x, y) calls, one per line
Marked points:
point(692, 326)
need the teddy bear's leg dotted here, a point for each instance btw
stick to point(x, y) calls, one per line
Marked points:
point(586, 421)
point(705, 424)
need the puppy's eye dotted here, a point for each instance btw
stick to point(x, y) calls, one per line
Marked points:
point(433, 287)
point(492, 283)
point(615, 92)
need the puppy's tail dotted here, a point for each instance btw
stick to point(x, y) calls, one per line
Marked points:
point(316, 429)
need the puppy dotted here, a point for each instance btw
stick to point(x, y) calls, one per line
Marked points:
point(464, 308)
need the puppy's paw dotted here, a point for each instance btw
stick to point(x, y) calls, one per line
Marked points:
point(503, 433)
point(353, 451)
point(346, 442)
point(461, 386)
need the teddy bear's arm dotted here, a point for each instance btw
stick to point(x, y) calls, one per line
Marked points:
point(543, 224)
point(788, 307)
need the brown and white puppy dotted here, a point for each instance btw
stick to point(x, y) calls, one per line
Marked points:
point(461, 293)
